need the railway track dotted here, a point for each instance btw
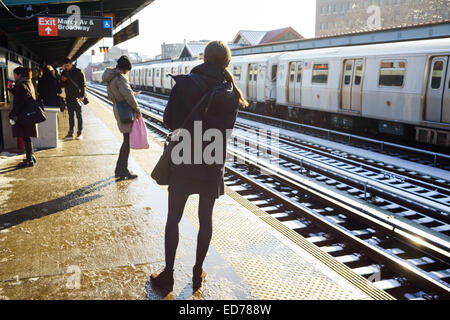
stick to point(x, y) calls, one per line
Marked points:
point(406, 258)
point(421, 156)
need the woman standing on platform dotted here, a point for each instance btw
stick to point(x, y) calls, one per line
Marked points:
point(48, 88)
point(119, 90)
point(23, 93)
point(203, 179)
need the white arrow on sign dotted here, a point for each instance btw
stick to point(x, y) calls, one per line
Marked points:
point(48, 29)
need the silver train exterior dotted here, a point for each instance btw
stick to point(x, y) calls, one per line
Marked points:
point(397, 89)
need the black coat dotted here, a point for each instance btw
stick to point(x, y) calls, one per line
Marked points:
point(48, 90)
point(23, 95)
point(77, 76)
point(200, 178)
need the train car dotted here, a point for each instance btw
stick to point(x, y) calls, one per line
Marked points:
point(397, 90)
point(252, 76)
point(97, 76)
point(187, 66)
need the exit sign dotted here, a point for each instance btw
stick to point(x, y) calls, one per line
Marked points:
point(48, 27)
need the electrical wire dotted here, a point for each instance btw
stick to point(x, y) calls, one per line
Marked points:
point(20, 18)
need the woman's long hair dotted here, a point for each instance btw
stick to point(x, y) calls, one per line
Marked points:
point(48, 72)
point(217, 52)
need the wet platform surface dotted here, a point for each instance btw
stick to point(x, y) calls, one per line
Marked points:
point(69, 230)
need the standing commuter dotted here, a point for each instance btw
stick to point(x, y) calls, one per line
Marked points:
point(203, 179)
point(119, 90)
point(23, 95)
point(74, 83)
point(48, 87)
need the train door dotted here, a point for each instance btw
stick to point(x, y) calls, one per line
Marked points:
point(352, 84)
point(252, 80)
point(438, 91)
point(295, 83)
point(271, 90)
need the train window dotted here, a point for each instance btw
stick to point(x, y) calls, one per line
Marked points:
point(299, 72)
point(320, 73)
point(250, 73)
point(348, 73)
point(274, 72)
point(392, 73)
point(292, 73)
point(237, 72)
point(358, 72)
point(157, 73)
point(438, 71)
point(255, 73)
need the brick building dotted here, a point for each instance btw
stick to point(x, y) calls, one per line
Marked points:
point(343, 16)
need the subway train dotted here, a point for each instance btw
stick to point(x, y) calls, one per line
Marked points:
point(399, 91)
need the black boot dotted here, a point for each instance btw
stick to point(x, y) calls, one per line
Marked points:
point(198, 276)
point(125, 175)
point(33, 159)
point(164, 280)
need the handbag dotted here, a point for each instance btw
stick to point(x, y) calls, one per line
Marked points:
point(161, 172)
point(61, 103)
point(138, 135)
point(126, 113)
point(33, 113)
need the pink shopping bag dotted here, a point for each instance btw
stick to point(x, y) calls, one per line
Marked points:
point(138, 135)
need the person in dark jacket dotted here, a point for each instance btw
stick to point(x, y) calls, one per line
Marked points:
point(194, 177)
point(74, 83)
point(23, 95)
point(48, 87)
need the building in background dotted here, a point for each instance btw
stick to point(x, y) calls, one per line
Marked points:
point(335, 17)
point(172, 50)
point(114, 54)
point(83, 61)
point(193, 50)
point(253, 38)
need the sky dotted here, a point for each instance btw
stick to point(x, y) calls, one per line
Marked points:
point(172, 21)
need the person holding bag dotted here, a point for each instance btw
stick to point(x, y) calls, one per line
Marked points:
point(125, 108)
point(74, 83)
point(24, 97)
point(208, 95)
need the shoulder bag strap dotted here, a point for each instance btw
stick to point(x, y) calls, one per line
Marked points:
point(73, 82)
point(190, 114)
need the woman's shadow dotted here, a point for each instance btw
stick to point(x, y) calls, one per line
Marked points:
point(40, 210)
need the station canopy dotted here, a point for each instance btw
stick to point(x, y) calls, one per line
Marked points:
point(55, 49)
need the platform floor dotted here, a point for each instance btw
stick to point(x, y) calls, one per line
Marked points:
point(69, 230)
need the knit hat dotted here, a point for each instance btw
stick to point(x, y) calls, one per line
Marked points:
point(124, 63)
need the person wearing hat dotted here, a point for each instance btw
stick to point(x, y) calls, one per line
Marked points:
point(74, 83)
point(119, 89)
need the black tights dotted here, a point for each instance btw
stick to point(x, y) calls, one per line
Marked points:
point(122, 162)
point(28, 147)
point(176, 208)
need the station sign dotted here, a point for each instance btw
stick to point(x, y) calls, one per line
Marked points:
point(67, 27)
point(127, 33)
